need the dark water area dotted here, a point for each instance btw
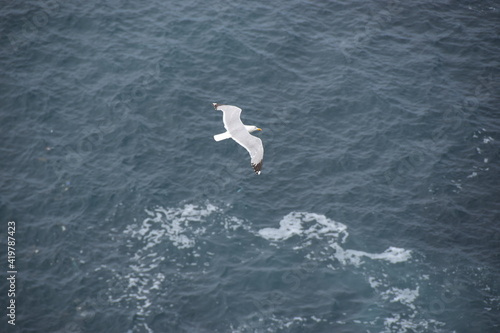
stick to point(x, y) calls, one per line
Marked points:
point(377, 209)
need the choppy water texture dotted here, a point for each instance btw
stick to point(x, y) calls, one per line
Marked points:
point(378, 205)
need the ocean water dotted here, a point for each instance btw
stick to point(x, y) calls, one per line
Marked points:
point(378, 206)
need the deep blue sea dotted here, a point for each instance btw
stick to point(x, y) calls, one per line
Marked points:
point(378, 206)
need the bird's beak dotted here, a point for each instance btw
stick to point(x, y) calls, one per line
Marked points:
point(259, 129)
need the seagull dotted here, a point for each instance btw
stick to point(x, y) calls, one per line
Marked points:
point(241, 134)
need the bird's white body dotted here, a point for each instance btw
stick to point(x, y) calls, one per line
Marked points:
point(236, 130)
point(226, 135)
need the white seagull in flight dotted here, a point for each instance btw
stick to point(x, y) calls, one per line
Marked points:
point(241, 134)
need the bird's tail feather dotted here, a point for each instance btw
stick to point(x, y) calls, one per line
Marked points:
point(222, 136)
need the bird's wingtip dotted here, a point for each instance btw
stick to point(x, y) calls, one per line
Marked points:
point(257, 167)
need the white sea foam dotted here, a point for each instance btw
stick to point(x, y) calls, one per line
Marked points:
point(404, 296)
point(298, 223)
point(174, 235)
point(397, 324)
point(316, 226)
point(174, 224)
point(487, 139)
point(303, 227)
point(179, 227)
point(354, 257)
point(373, 282)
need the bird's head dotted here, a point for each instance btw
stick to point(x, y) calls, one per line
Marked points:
point(253, 129)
